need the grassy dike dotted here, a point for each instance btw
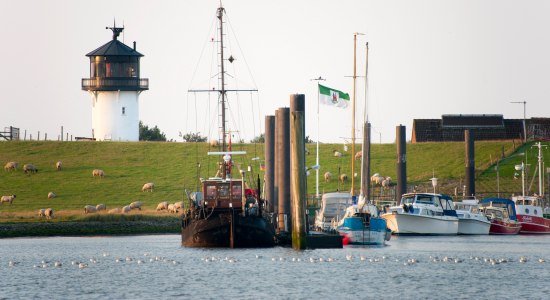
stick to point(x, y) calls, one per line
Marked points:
point(173, 168)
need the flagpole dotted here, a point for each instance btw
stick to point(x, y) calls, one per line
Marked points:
point(318, 136)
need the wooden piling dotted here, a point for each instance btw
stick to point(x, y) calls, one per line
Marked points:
point(298, 173)
point(469, 164)
point(401, 141)
point(269, 136)
point(62, 133)
point(283, 167)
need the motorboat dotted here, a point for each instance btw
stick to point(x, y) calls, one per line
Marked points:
point(470, 219)
point(361, 225)
point(332, 210)
point(502, 214)
point(423, 214)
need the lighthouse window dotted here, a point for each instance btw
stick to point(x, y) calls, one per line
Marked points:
point(123, 110)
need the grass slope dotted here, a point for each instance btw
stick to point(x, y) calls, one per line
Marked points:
point(173, 168)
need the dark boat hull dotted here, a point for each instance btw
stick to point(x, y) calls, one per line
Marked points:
point(215, 231)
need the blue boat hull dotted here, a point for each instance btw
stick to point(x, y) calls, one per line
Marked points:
point(356, 233)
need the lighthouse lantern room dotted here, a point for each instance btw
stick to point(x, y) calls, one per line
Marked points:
point(115, 85)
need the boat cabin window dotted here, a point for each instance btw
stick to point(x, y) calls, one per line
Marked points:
point(211, 192)
point(407, 200)
point(224, 191)
point(236, 191)
point(505, 214)
point(446, 204)
point(424, 199)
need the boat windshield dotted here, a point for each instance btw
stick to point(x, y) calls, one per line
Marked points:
point(407, 200)
point(334, 209)
point(493, 213)
point(447, 204)
point(424, 199)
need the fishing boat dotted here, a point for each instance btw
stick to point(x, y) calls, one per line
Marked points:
point(470, 219)
point(529, 210)
point(423, 214)
point(225, 212)
point(531, 215)
point(502, 214)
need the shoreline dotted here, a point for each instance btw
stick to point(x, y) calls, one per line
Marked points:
point(90, 228)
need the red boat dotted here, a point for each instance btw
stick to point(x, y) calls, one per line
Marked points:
point(502, 214)
point(530, 215)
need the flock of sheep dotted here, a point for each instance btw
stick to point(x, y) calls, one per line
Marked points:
point(376, 179)
point(48, 213)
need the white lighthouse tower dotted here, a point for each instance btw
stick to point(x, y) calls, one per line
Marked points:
point(115, 85)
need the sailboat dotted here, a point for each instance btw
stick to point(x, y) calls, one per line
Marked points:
point(225, 213)
point(361, 224)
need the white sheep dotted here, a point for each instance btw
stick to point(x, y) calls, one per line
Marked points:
point(7, 199)
point(343, 178)
point(12, 165)
point(162, 206)
point(337, 153)
point(148, 187)
point(42, 212)
point(58, 166)
point(48, 212)
point(100, 207)
point(136, 204)
point(51, 195)
point(89, 209)
point(172, 208)
point(377, 179)
point(126, 209)
point(386, 182)
point(178, 205)
point(99, 173)
point(114, 210)
point(359, 154)
point(328, 176)
point(29, 168)
point(214, 143)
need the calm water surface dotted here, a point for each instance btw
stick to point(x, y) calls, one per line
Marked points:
point(160, 268)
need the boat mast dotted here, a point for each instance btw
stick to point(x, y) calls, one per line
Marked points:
point(365, 157)
point(221, 10)
point(353, 117)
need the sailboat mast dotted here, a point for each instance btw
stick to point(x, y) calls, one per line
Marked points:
point(365, 157)
point(222, 87)
point(353, 116)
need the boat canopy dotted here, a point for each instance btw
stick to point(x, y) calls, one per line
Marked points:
point(501, 202)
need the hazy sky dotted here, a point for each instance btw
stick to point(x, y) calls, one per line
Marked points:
point(426, 58)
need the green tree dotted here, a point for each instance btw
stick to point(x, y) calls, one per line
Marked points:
point(194, 137)
point(258, 139)
point(150, 134)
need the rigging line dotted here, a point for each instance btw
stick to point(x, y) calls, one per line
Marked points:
point(253, 122)
point(202, 52)
point(240, 49)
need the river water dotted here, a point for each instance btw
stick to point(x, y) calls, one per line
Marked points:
point(156, 266)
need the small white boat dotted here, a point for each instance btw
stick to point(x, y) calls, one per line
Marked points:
point(423, 214)
point(361, 225)
point(470, 219)
point(332, 210)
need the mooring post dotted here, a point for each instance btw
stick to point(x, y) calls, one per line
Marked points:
point(269, 162)
point(470, 164)
point(401, 141)
point(365, 162)
point(62, 133)
point(298, 172)
point(38, 136)
point(283, 166)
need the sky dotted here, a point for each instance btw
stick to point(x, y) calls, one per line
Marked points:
point(426, 58)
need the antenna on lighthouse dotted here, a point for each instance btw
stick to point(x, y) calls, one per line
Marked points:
point(116, 30)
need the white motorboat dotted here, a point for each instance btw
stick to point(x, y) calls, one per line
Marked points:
point(423, 214)
point(332, 210)
point(470, 219)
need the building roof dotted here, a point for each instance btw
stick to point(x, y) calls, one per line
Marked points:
point(114, 48)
